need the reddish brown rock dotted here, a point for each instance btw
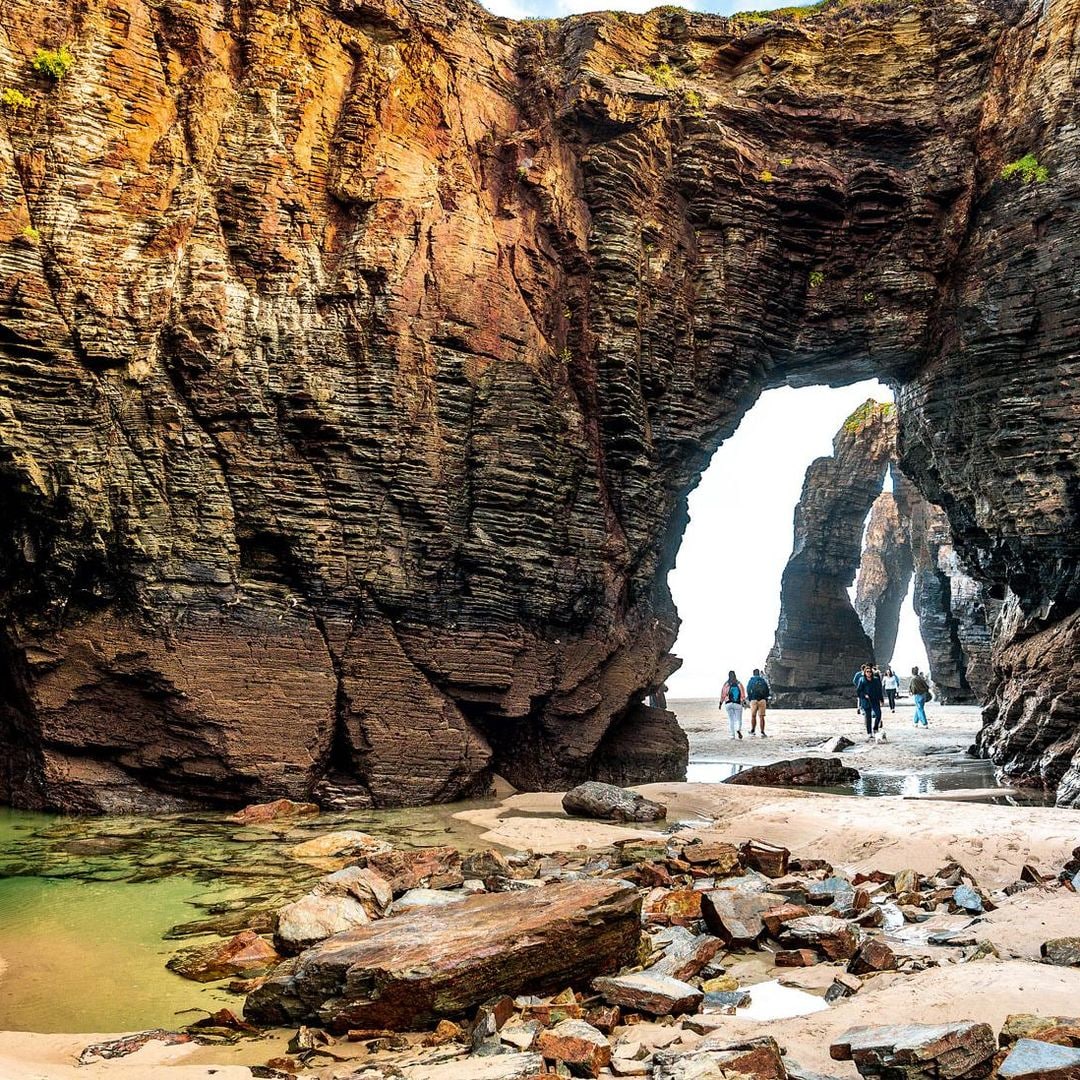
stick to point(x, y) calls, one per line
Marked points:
point(398, 972)
point(648, 992)
point(797, 772)
point(676, 907)
point(260, 813)
point(873, 956)
point(796, 958)
point(1056, 1029)
point(776, 918)
point(718, 858)
point(247, 952)
point(768, 859)
point(963, 1051)
point(834, 937)
point(577, 1044)
point(418, 868)
point(735, 916)
point(752, 1059)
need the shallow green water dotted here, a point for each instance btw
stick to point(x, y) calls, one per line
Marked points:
point(85, 904)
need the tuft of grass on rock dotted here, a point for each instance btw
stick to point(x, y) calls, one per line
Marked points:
point(13, 100)
point(53, 63)
point(661, 75)
point(1026, 169)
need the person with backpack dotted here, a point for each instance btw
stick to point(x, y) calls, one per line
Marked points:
point(891, 682)
point(757, 693)
point(871, 695)
point(919, 689)
point(732, 697)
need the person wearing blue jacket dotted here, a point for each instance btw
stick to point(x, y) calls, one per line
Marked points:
point(871, 695)
point(758, 694)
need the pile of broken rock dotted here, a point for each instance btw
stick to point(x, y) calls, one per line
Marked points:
point(625, 962)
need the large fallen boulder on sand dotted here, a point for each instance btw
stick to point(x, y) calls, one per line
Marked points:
point(797, 772)
point(610, 803)
point(407, 970)
point(964, 1049)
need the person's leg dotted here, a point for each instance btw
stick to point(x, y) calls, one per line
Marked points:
point(892, 700)
point(764, 709)
point(920, 714)
point(738, 720)
point(753, 717)
point(877, 715)
point(867, 717)
point(729, 708)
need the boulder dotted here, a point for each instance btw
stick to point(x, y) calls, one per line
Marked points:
point(836, 938)
point(260, 813)
point(314, 918)
point(610, 803)
point(1032, 1059)
point(347, 842)
point(485, 865)
point(418, 868)
point(245, 953)
point(735, 916)
point(796, 958)
point(968, 899)
point(768, 859)
point(645, 991)
point(836, 745)
point(576, 1044)
point(752, 1059)
point(1065, 951)
point(408, 970)
point(797, 772)
point(959, 1051)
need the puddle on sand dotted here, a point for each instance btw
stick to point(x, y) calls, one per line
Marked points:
point(85, 904)
point(771, 1001)
point(934, 779)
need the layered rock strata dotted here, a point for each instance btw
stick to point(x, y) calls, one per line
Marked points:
point(884, 574)
point(820, 641)
point(357, 358)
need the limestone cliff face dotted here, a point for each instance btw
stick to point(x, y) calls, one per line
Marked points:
point(357, 358)
point(820, 641)
point(884, 574)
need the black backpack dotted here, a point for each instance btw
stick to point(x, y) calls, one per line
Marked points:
point(733, 692)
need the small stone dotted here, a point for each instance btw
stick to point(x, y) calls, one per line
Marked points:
point(655, 994)
point(685, 959)
point(873, 956)
point(843, 986)
point(521, 1033)
point(446, 1031)
point(485, 864)
point(836, 745)
point(726, 1001)
point(418, 868)
point(578, 1044)
point(907, 881)
point(721, 859)
point(768, 859)
point(750, 1059)
point(1030, 1026)
point(675, 907)
point(796, 958)
point(776, 918)
point(724, 982)
point(1065, 952)
point(347, 842)
point(314, 918)
point(610, 803)
point(965, 897)
point(424, 898)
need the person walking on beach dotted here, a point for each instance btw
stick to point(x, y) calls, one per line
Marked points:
point(732, 697)
point(757, 693)
point(871, 695)
point(919, 689)
point(891, 683)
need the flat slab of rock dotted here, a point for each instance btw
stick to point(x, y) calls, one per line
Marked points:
point(797, 772)
point(418, 868)
point(577, 1044)
point(754, 1059)
point(736, 916)
point(955, 1051)
point(610, 803)
point(646, 991)
point(1031, 1059)
point(260, 813)
point(409, 969)
point(343, 842)
point(834, 937)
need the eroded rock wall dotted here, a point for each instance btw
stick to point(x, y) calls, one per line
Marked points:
point(820, 641)
point(357, 358)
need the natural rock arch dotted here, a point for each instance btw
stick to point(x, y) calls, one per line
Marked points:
point(360, 358)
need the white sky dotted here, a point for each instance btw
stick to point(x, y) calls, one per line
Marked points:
point(726, 582)
point(547, 9)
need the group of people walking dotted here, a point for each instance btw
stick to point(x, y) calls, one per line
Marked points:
point(734, 695)
point(872, 689)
